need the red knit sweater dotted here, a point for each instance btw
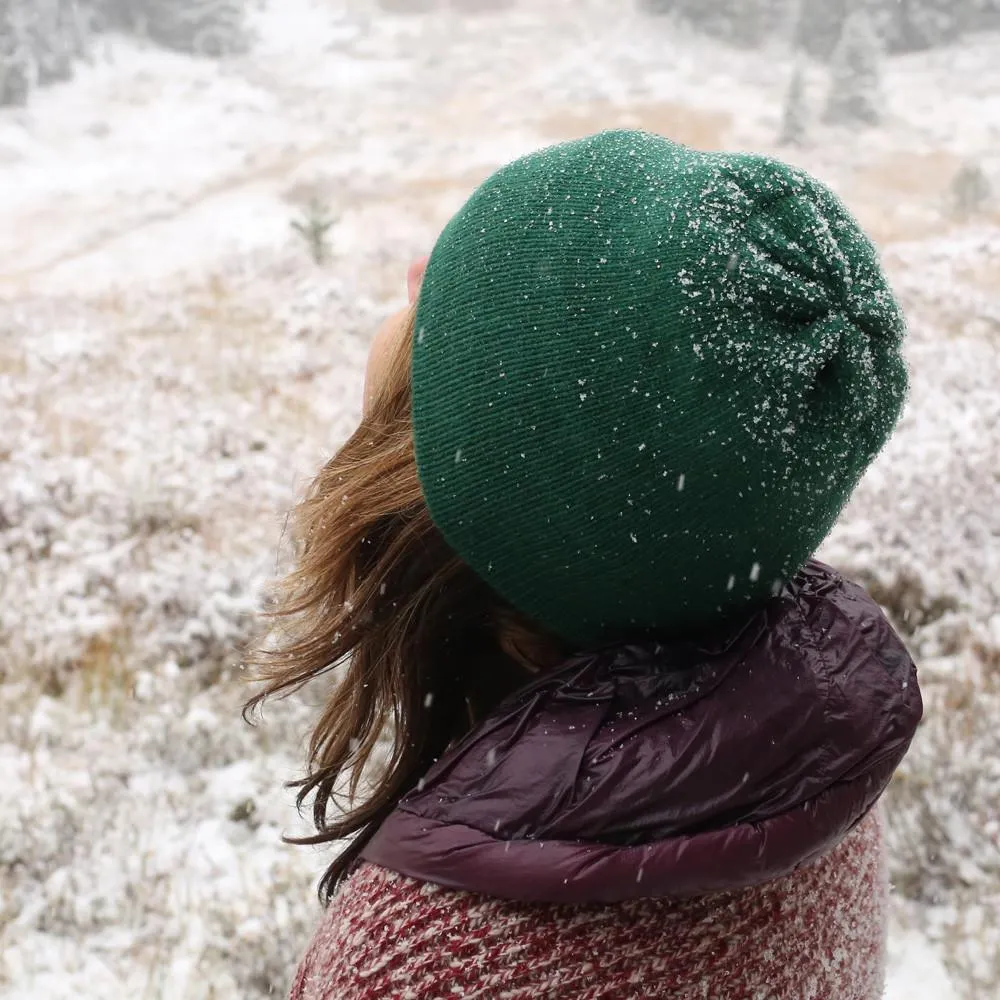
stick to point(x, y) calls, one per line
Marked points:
point(817, 934)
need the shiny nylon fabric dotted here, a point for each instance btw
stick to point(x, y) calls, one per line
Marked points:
point(672, 770)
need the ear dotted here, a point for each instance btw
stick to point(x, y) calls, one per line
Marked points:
point(415, 278)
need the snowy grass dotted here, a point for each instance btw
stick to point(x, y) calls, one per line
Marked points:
point(140, 519)
point(173, 367)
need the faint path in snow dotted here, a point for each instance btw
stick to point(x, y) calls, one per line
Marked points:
point(103, 242)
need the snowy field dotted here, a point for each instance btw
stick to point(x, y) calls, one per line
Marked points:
point(174, 366)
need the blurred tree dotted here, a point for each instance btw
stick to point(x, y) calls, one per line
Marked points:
point(314, 227)
point(970, 191)
point(202, 27)
point(41, 40)
point(15, 60)
point(742, 22)
point(985, 15)
point(816, 25)
point(819, 24)
point(56, 38)
point(911, 25)
point(110, 14)
point(856, 74)
point(795, 121)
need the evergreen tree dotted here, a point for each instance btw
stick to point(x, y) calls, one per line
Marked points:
point(912, 25)
point(902, 25)
point(971, 190)
point(819, 25)
point(984, 15)
point(204, 27)
point(742, 22)
point(314, 227)
point(55, 38)
point(41, 40)
point(108, 15)
point(15, 62)
point(795, 121)
point(856, 74)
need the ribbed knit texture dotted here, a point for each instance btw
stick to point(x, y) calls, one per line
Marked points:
point(818, 934)
point(646, 380)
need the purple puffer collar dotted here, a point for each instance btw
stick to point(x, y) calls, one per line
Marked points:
point(672, 770)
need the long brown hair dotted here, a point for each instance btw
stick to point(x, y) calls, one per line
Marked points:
point(426, 648)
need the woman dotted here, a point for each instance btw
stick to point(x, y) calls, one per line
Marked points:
point(635, 735)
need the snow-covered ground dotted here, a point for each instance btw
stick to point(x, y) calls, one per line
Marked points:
point(173, 367)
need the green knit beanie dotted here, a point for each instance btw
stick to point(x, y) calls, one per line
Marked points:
point(646, 380)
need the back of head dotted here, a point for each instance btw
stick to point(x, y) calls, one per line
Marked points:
point(646, 380)
point(639, 386)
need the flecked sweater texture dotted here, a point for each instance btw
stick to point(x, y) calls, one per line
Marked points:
point(817, 934)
